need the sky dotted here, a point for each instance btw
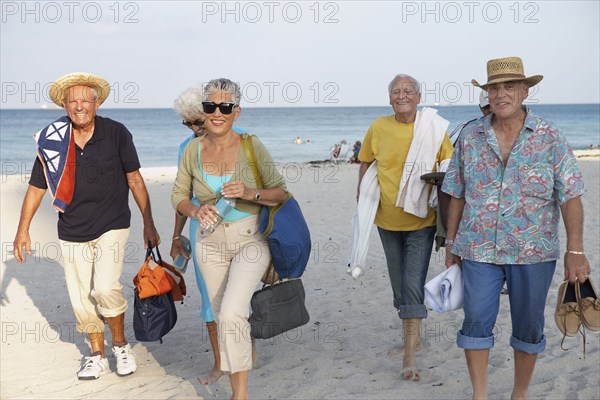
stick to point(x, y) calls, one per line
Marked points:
point(297, 53)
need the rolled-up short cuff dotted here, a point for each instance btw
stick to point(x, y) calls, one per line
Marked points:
point(529, 348)
point(474, 343)
point(412, 311)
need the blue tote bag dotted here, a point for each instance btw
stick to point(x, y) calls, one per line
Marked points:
point(283, 226)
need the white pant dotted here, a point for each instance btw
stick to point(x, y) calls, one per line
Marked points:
point(232, 260)
point(93, 271)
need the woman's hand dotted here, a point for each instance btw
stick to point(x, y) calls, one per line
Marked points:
point(206, 214)
point(177, 249)
point(237, 190)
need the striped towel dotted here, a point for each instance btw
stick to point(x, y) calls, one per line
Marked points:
point(56, 151)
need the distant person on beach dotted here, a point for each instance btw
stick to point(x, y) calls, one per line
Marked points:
point(406, 145)
point(508, 189)
point(235, 255)
point(90, 172)
point(355, 150)
point(297, 140)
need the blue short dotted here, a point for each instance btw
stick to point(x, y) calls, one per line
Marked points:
point(528, 286)
point(407, 254)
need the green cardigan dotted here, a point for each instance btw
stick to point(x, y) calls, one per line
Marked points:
point(189, 182)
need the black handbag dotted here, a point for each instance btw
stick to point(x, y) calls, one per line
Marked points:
point(153, 317)
point(278, 308)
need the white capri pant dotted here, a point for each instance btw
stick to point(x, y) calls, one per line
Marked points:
point(93, 271)
point(232, 261)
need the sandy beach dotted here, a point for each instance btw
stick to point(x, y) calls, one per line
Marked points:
point(339, 354)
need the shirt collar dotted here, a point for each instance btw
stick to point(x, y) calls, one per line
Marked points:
point(485, 123)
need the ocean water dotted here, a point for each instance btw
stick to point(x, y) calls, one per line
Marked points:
point(158, 132)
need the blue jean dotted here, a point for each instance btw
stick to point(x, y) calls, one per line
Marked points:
point(407, 254)
point(528, 286)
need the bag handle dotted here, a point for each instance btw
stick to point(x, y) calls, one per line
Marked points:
point(251, 156)
point(150, 252)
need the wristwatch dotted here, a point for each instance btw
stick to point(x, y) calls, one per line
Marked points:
point(257, 196)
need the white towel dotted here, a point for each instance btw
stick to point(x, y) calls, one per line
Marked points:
point(362, 223)
point(445, 291)
point(429, 131)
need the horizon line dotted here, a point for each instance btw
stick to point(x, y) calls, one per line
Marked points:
point(290, 107)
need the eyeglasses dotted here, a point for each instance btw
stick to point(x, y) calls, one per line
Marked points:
point(210, 107)
point(197, 122)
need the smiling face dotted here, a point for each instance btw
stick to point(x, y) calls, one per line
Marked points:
point(81, 104)
point(506, 98)
point(404, 100)
point(217, 123)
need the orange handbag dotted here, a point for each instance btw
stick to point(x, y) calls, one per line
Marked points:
point(157, 277)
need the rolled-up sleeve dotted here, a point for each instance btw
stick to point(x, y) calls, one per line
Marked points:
point(182, 188)
point(267, 167)
point(568, 181)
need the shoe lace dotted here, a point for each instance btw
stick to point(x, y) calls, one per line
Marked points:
point(577, 310)
point(89, 363)
point(122, 354)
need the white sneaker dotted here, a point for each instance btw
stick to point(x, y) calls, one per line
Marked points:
point(125, 360)
point(93, 367)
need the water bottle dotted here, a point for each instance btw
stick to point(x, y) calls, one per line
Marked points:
point(180, 262)
point(224, 207)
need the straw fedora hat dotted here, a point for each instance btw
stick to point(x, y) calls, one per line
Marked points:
point(505, 70)
point(62, 84)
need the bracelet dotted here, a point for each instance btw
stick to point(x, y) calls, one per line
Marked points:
point(176, 238)
point(449, 241)
point(575, 252)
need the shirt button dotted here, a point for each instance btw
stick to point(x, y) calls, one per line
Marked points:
point(249, 231)
point(227, 225)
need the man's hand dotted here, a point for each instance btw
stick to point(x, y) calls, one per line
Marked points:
point(451, 258)
point(22, 239)
point(151, 234)
point(577, 267)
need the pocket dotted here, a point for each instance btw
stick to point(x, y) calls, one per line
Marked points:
point(537, 181)
point(248, 230)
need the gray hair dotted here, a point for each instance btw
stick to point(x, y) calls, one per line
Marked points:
point(223, 85)
point(415, 82)
point(189, 104)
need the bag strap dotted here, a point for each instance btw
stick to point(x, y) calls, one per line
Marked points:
point(251, 156)
point(150, 252)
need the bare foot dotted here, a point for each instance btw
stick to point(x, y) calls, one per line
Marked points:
point(411, 374)
point(409, 369)
point(398, 352)
point(210, 378)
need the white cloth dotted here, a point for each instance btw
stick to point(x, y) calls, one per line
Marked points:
point(362, 223)
point(428, 136)
point(445, 291)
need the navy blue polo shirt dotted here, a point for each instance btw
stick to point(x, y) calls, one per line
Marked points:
point(100, 201)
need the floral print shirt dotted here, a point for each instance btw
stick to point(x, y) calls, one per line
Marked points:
point(511, 212)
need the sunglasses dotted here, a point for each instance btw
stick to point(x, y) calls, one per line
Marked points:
point(197, 122)
point(210, 107)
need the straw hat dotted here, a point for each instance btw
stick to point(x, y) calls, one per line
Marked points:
point(62, 84)
point(505, 70)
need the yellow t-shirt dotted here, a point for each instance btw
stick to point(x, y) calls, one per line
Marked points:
point(388, 141)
